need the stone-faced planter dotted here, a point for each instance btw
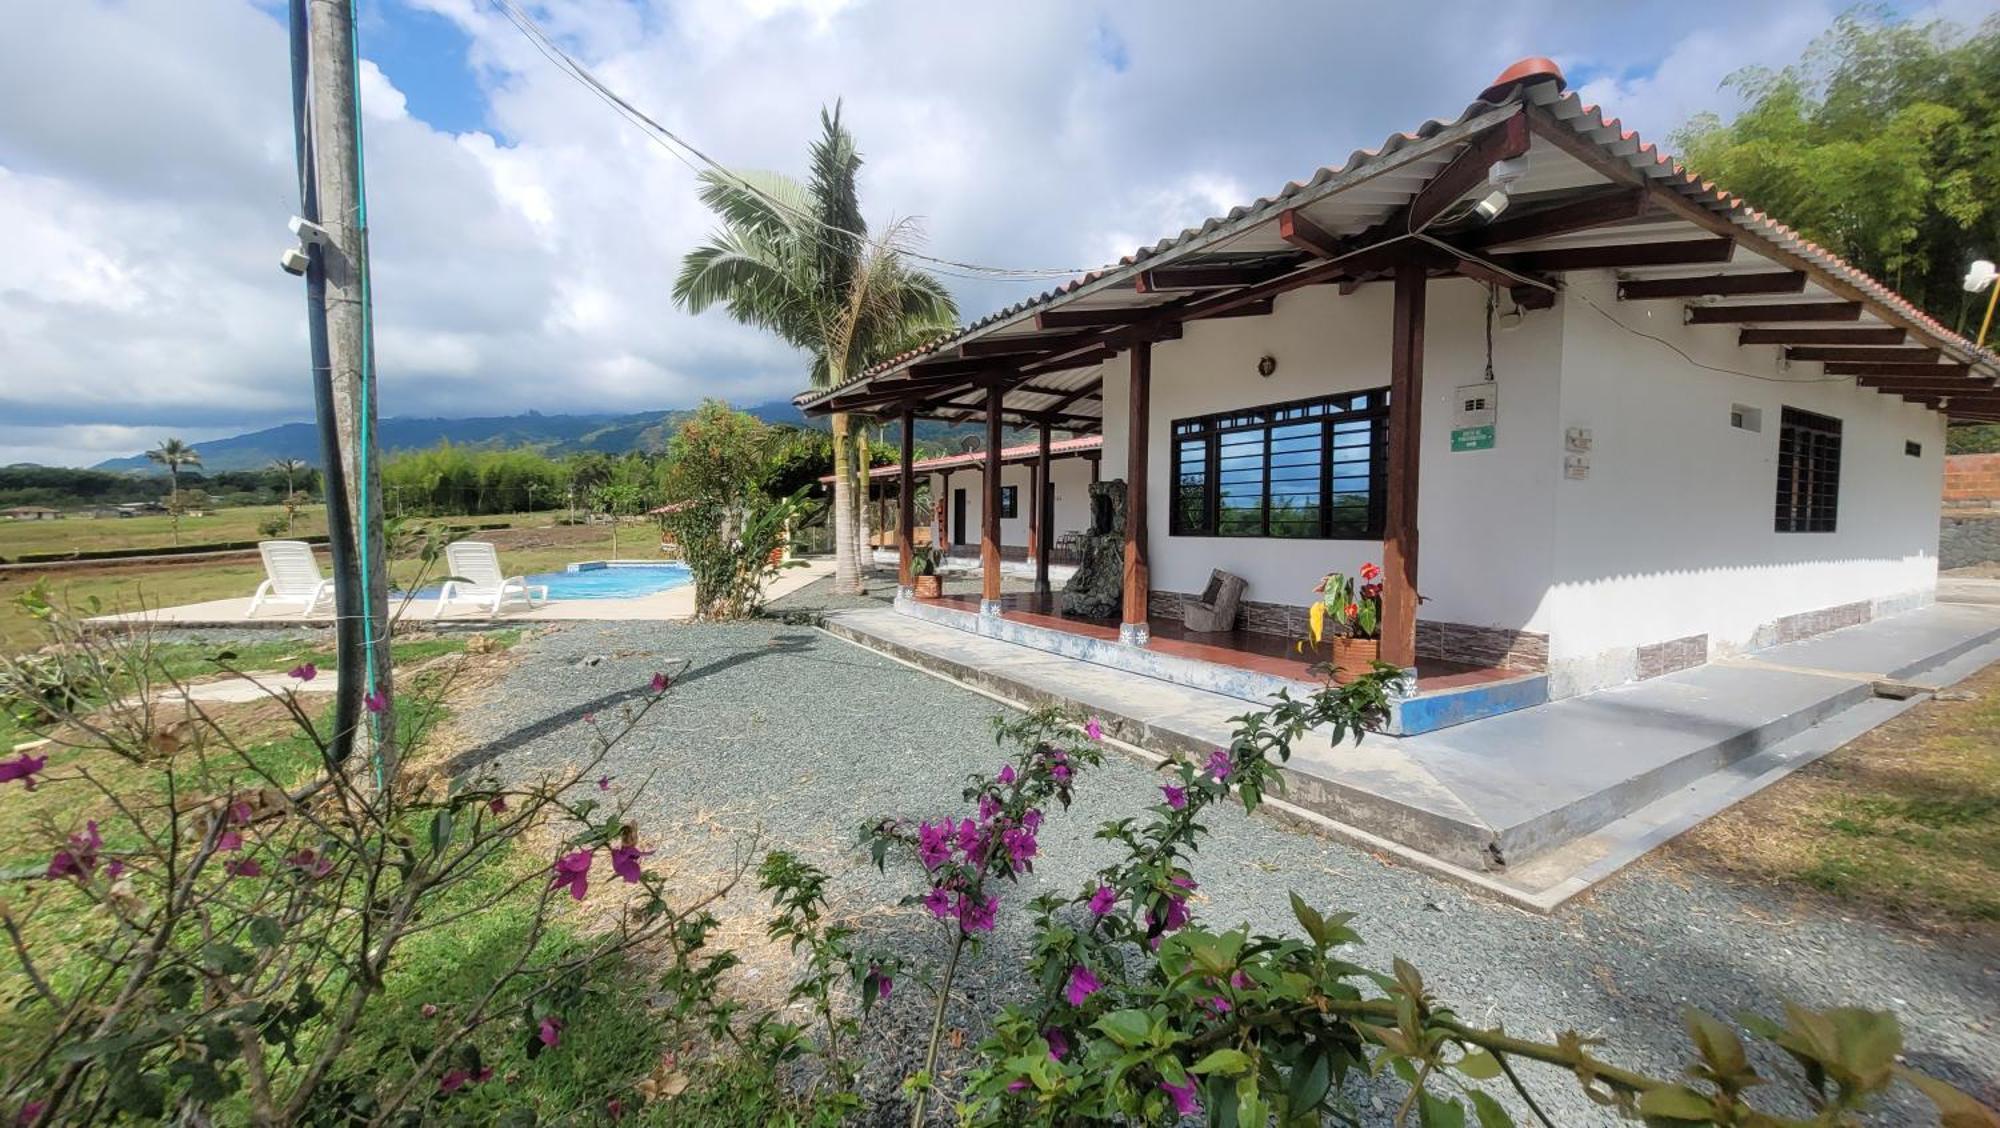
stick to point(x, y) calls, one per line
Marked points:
point(927, 586)
point(1353, 657)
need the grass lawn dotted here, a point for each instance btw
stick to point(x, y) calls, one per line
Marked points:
point(531, 545)
point(1904, 822)
point(239, 523)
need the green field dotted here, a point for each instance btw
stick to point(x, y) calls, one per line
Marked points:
point(89, 534)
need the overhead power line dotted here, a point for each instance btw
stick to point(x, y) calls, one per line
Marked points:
point(696, 159)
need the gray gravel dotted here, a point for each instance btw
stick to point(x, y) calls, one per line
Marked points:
point(782, 727)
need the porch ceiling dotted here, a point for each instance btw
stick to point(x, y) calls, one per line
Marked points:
point(1590, 196)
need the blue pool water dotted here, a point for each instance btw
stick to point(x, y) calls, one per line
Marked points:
point(600, 581)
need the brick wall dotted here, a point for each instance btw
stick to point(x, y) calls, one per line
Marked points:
point(1972, 479)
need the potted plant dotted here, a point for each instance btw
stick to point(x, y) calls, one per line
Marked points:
point(1350, 610)
point(924, 572)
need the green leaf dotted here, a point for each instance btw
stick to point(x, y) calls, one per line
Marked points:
point(1490, 1114)
point(440, 830)
point(1127, 1028)
point(1955, 1108)
point(1310, 1083)
point(1434, 1111)
point(1717, 1043)
point(226, 959)
point(1225, 1062)
point(1478, 1065)
point(265, 932)
point(1676, 1102)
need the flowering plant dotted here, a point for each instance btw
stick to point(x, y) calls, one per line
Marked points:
point(1351, 606)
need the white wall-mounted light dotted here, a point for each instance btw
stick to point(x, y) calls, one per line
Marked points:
point(1502, 176)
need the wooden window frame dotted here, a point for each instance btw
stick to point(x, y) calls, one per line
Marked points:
point(1369, 405)
point(1808, 479)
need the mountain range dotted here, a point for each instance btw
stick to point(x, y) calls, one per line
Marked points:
point(550, 434)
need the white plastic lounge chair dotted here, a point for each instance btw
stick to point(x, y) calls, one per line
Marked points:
point(291, 575)
point(476, 568)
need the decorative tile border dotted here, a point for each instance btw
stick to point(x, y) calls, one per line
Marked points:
point(1674, 654)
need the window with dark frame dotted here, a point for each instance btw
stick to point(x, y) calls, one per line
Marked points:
point(1808, 472)
point(1010, 501)
point(1307, 469)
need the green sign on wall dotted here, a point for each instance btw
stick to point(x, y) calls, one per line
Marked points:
point(1472, 438)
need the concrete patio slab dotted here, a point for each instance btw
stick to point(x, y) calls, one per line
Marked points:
point(1534, 805)
point(676, 604)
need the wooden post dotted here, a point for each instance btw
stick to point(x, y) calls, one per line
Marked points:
point(1406, 402)
point(1133, 629)
point(989, 510)
point(948, 535)
point(1039, 533)
point(906, 509)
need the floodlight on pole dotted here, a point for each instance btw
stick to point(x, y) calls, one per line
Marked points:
point(1978, 277)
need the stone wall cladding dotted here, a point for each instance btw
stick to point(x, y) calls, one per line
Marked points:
point(1967, 537)
point(1454, 642)
point(1806, 624)
point(1674, 654)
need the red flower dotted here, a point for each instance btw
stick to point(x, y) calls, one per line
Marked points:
point(1370, 573)
point(1351, 610)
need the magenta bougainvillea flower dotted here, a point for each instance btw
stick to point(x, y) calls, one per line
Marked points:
point(114, 869)
point(1239, 981)
point(497, 804)
point(884, 983)
point(376, 701)
point(1183, 1097)
point(1020, 845)
point(938, 901)
point(1031, 820)
point(1058, 1043)
point(661, 682)
point(1219, 1005)
point(1218, 764)
point(457, 1079)
point(614, 1108)
point(977, 913)
point(23, 768)
point(625, 862)
point(572, 870)
point(310, 862)
point(604, 783)
point(550, 1031)
point(1094, 729)
point(989, 805)
point(230, 840)
point(305, 671)
point(1059, 772)
point(970, 838)
point(1006, 773)
point(1082, 985)
point(1102, 900)
point(243, 867)
point(934, 844)
point(79, 858)
point(1176, 796)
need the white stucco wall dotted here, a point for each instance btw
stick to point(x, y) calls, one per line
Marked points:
point(1671, 535)
point(1486, 517)
point(1072, 504)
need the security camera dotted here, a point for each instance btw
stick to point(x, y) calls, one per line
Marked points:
point(310, 232)
point(293, 260)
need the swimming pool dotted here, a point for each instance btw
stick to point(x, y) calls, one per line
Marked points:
point(597, 579)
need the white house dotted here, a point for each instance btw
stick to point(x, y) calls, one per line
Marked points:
point(1597, 419)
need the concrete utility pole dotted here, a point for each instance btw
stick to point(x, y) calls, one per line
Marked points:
point(341, 260)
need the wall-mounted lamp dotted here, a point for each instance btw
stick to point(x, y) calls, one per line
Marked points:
point(1266, 365)
point(1502, 176)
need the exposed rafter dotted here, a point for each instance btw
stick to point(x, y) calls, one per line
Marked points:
point(1170, 279)
point(1803, 336)
point(1774, 311)
point(1467, 171)
point(1713, 285)
point(1677, 252)
point(1617, 205)
point(1913, 354)
point(1888, 368)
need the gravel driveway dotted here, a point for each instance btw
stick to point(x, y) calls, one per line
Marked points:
point(779, 726)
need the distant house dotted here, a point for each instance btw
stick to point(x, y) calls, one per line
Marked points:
point(1639, 423)
point(135, 508)
point(33, 513)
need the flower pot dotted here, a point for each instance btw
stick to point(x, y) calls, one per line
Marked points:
point(928, 587)
point(1353, 657)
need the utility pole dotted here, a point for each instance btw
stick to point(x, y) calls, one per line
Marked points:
point(334, 197)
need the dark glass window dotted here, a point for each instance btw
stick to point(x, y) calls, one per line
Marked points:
point(1010, 500)
point(1306, 469)
point(1808, 472)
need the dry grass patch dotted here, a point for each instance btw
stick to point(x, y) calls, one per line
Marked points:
point(1904, 822)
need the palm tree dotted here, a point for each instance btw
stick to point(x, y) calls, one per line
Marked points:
point(174, 454)
point(290, 468)
point(796, 259)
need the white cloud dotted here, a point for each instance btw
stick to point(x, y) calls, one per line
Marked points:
point(146, 173)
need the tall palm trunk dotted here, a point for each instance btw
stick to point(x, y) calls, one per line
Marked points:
point(846, 571)
point(864, 539)
point(174, 500)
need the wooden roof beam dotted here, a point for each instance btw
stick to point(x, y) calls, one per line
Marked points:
point(1169, 279)
point(1675, 252)
point(1099, 318)
point(1913, 354)
point(1912, 384)
point(1467, 170)
point(1596, 210)
point(1775, 311)
point(1712, 285)
point(1803, 336)
point(1890, 368)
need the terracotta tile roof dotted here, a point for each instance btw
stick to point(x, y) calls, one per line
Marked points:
point(1532, 81)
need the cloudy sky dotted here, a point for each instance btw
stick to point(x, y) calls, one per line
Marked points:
point(525, 237)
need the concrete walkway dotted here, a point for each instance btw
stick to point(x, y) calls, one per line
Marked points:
point(674, 604)
point(1535, 805)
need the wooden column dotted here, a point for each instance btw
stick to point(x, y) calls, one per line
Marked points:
point(1406, 402)
point(944, 514)
point(1137, 578)
point(1039, 533)
point(906, 507)
point(989, 511)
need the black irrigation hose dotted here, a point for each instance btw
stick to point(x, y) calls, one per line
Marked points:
point(339, 521)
